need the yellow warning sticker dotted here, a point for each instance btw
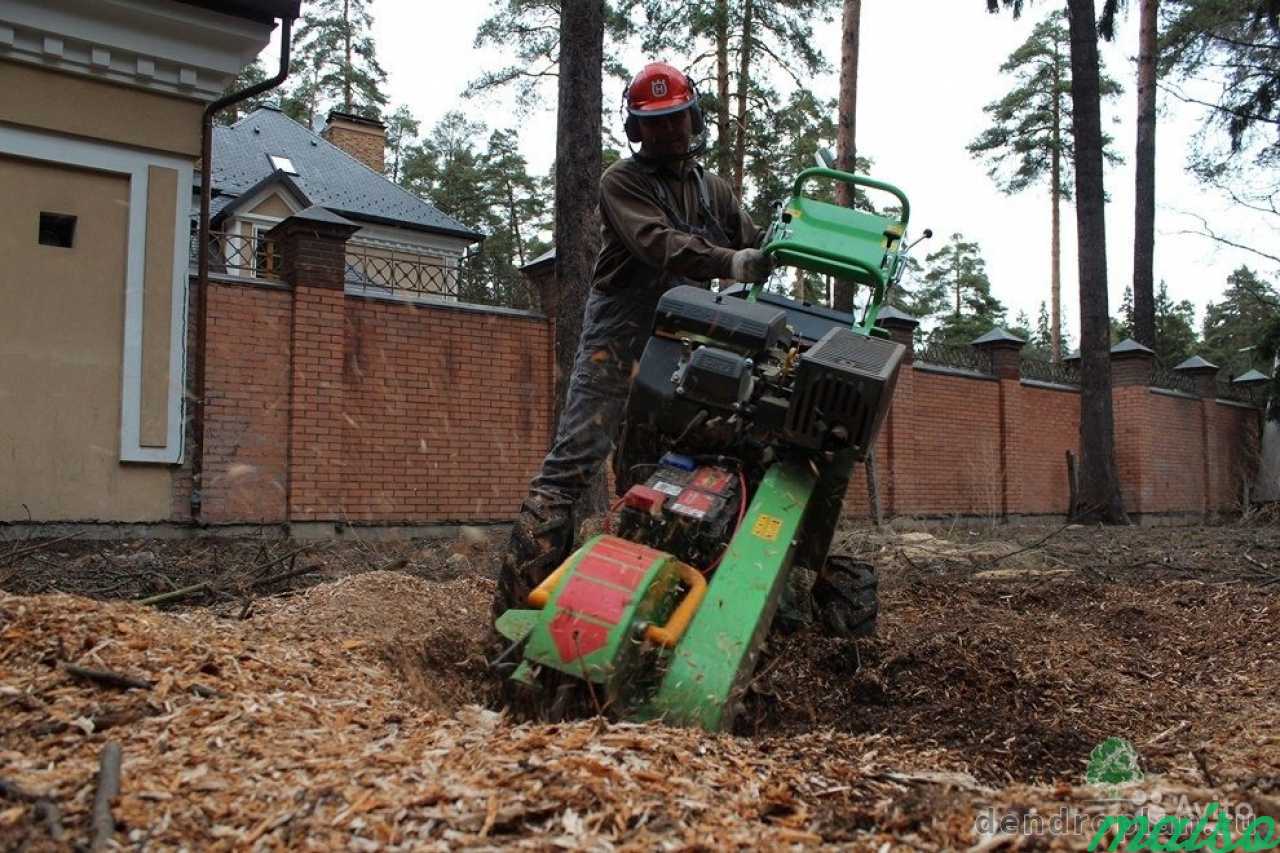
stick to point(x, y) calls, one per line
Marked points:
point(767, 527)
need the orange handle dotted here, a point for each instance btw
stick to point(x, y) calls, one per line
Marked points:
point(669, 634)
point(542, 593)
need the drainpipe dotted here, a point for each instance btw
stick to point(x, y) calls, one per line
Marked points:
point(202, 250)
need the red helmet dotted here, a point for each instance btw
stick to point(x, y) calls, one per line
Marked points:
point(658, 90)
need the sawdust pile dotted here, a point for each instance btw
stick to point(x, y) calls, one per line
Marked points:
point(352, 715)
point(288, 731)
point(433, 635)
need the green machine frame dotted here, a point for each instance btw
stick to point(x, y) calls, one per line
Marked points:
point(656, 641)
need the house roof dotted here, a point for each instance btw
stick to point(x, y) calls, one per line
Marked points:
point(547, 257)
point(1196, 363)
point(998, 335)
point(257, 10)
point(326, 175)
point(1251, 377)
point(888, 312)
point(1129, 345)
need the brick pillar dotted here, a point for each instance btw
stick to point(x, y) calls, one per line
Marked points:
point(1005, 351)
point(313, 252)
point(1131, 368)
point(1131, 364)
point(895, 435)
point(1205, 376)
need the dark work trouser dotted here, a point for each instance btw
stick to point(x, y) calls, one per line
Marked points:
point(615, 329)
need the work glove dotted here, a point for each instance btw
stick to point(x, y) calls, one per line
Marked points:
point(750, 265)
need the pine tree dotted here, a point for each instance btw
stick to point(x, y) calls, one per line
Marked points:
point(1235, 325)
point(402, 127)
point(1099, 498)
point(1233, 46)
point(1144, 217)
point(250, 75)
point(487, 189)
point(1031, 137)
point(530, 30)
point(336, 65)
point(1043, 337)
point(1175, 338)
point(957, 278)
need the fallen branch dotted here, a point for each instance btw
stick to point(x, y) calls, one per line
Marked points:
point(106, 678)
point(44, 808)
point(104, 825)
point(1030, 547)
point(259, 569)
point(14, 791)
point(284, 576)
point(205, 586)
point(48, 811)
point(1203, 762)
point(33, 548)
point(175, 595)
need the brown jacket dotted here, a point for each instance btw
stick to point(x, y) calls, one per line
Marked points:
point(640, 243)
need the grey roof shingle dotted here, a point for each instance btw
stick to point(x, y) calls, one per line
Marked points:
point(327, 175)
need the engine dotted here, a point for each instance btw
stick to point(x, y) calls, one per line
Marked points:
point(721, 375)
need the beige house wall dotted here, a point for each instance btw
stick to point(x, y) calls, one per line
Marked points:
point(273, 206)
point(67, 103)
point(61, 347)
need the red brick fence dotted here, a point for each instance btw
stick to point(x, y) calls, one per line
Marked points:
point(326, 406)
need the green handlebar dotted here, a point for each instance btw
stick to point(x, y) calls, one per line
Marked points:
point(856, 180)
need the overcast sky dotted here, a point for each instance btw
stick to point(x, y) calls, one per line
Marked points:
point(926, 69)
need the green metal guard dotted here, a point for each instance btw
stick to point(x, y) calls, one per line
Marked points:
point(713, 663)
point(852, 245)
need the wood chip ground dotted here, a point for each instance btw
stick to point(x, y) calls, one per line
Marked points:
point(355, 714)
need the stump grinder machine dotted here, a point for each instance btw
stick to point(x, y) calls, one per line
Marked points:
point(740, 399)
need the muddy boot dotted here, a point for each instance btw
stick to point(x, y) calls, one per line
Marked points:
point(845, 597)
point(541, 539)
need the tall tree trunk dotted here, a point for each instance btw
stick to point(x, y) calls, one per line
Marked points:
point(1055, 192)
point(744, 69)
point(1144, 230)
point(346, 43)
point(579, 162)
point(846, 128)
point(724, 144)
point(1099, 498)
point(514, 223)
point(957, 262)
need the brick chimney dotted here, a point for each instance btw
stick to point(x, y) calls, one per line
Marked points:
point(362, 138)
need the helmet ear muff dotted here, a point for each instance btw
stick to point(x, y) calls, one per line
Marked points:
point(632, 127)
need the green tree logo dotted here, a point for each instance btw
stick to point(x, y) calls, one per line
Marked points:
point(1113, 762)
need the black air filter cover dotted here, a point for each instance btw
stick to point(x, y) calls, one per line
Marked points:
point(717, 377)
point(749, 328)
point(844, 380)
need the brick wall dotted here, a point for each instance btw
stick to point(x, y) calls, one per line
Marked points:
point(400, 412)
point(445, 408)
point(945, 449)
point(323, 406)
point(245, 472)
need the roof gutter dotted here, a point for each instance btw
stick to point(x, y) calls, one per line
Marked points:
point(202, 250)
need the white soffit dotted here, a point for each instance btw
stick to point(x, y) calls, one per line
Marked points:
point(159, 45)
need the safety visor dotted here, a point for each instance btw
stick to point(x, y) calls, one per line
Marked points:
point(662, 107)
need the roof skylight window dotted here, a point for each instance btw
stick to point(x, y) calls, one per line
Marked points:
point(282, 164)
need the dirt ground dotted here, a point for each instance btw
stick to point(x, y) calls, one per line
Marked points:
point(335, 696)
